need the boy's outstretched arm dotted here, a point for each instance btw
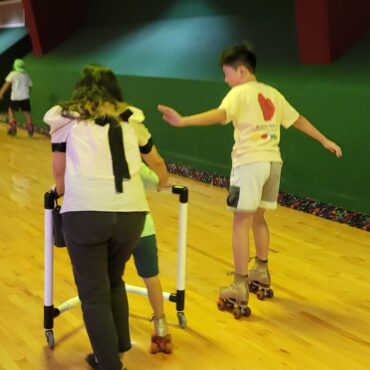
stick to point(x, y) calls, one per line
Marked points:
point(309, 129)
point(210, 117)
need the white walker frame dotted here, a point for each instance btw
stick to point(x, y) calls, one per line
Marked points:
point(51, 312)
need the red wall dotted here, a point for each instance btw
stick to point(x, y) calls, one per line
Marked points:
point(349, 21)
point(51, 21)
point(328, 28)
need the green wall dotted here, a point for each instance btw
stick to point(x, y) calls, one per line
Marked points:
point(168, 54)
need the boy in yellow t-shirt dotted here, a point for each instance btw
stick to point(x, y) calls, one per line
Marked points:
point(257, 111)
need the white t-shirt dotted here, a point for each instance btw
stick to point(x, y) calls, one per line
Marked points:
point(136, 121)
point(257, 111)
point(21, 84)
point(89, 179)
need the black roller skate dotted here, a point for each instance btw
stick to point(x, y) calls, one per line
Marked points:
point(30, 129)
point(260, 280)
point(234, 297)
point(161, 339)
point(12, 131)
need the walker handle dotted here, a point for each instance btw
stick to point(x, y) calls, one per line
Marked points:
point(182, 191)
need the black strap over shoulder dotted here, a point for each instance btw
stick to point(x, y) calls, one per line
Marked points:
point(147, 148)
point(117, 149)
point(125, 116)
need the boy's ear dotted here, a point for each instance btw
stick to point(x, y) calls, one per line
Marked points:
point(244, 70)
point(240, 69)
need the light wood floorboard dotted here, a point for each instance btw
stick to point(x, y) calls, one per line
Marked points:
point(318, 319)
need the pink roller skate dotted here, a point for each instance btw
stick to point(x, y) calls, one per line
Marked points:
point(12, 131)
point(161, 340)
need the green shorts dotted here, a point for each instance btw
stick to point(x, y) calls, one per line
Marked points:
point(146, 257)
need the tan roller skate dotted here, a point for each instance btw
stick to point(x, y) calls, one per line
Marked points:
point(260, 280)
point(234, 297)
point(161, 340)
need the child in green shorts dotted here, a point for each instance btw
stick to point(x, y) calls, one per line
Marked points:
point(146, 261)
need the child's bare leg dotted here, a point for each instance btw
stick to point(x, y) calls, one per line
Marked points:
point(12, 123)
point(161, 340)
point(236, 295)
point(261, 234)
point(259, 275)
point(29, 124)
point(154, 288)
point(11, 115)
point(242, 224)
point(28, 118)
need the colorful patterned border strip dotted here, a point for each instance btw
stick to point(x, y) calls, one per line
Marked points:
point(314, 207)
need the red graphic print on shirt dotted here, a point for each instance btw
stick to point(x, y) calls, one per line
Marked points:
point(267, 107)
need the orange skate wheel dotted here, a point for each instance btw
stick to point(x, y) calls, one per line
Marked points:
point(260, 295)
point(168, 348)
point(237, 313)
point(154, 348)
point(221, 304)
point(247, 312)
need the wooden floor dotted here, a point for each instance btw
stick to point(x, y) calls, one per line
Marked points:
point(318, 319)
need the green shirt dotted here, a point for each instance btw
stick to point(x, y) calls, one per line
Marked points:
point(150, 181)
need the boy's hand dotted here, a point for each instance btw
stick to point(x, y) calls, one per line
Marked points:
point(170, 115)
point(332, 147)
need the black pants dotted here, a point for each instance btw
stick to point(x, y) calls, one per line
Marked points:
point(23, 105)
point(99, 244)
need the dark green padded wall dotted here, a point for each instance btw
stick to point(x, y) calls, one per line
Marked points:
point(169, 55)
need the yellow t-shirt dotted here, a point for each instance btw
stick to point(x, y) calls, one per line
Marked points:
point(257, 111)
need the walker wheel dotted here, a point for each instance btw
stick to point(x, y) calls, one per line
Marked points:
point(50, 338)
point(181, 319)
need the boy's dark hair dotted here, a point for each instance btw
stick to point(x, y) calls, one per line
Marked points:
point(241, 54)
